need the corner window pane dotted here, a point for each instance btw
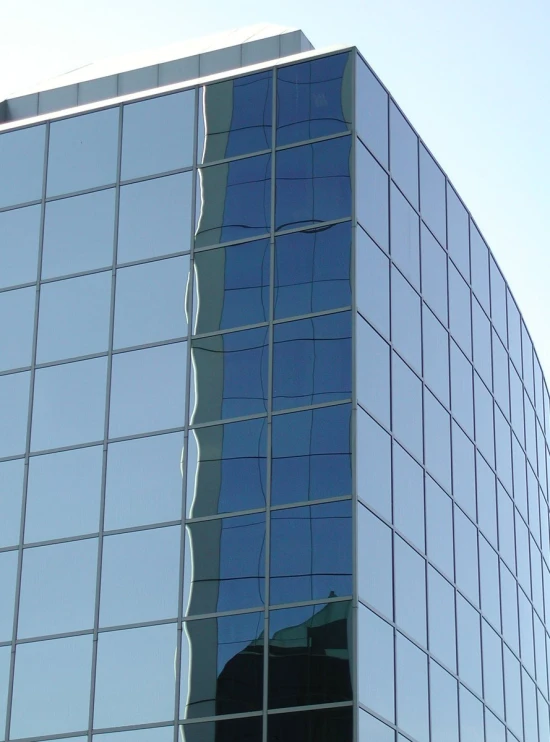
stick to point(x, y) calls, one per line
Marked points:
point(371, 112)
point(405, 236)
point(21, 184)
point(16, 327)
point(373, 372)
point(372, 197)
point(372, 284)
point(432, 195)
point(403, 155)
point(376, 659)
point(19, 238)
point(374, 562)
point(373, 464)
point(412, 689)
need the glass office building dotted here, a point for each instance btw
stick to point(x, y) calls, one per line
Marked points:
point(273, 433)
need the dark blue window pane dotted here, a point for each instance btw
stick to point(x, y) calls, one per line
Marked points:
point(371, 112)
point(244, 729)
point(313, 183)
point(226, 665)
point(237, 116)
point(232, 286)
point(372, 197)
point(225, 564)
point(309, 658)
point(312, 270)
point(19, 238)
point(432, 195)
point(235, 200)
point(314, 99)
point(227, 468)
point(311, 552)
point(311, 455)
point(230, 375)
point(324, 725)
point(405, 236)
point(403, 155)
point(22, 165)
point(312, 361)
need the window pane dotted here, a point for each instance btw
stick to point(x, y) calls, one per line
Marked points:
point(434, 275)
point(79, 233)
point(235, 200)
point(150, 302)
point(443, 705)
point(53, 679)
point(514, 331)
point(458, 233)
point(403, 155)
point(371, 112)
point(63, 494)
point(487, 502)
point(155, 218)
point(466, 556)
point(459, 311)
point(410, 591)
point(437, 440)
point(83, 152)
point(374, 562)
point(498, 299)
point(8, 578)
point(488, 568)
point(19, 238)
point(298, 676)
point(408, 496)
point(371, 728)
point(232, 286)
point(412, 689)
point(5, 659)
point(432, 195)
point(14, 399)
point(311, 456)
point(313, 183)
point(500, 375)
point(312, 271)
point(157, 135)
point(405, 320)
point(435, 346)
point(469, 644)
point(372, 284)
point(312, 361)
point(225, 674)
point(227, 467)
point(148, 390)
point(322, 725)
point(376, 660)
point(21, 184)
point(407, 407)
point(237, 116)
point(160, 734)
point(482, 343)
point(485, 430)
point(139, 576)
point(471, 716)
point(11, 494)
point(225, 564)
point(462, 393)
point(74, 317)
point(244, 729)
point(58, 588)
point(372, 197)
point(314, 98)
point(311, 552)
point(512, 687)
point(439, 528)
point(480, 267)
point(373, 462)
point(129, 665)
point(492, 668)
point(405, 236)
point(441, 619)
point(373, 372)
point(69, 404)
point(16, 327)
point(230, 375)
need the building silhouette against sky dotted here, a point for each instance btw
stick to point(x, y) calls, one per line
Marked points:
point(273, 433)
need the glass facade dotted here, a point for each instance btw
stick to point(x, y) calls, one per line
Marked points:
point(273, 437)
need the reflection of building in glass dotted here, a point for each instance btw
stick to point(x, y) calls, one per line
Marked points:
point(244, 253)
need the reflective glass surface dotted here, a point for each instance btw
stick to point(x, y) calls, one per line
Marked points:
point(314, 98)
point(405, 236)
point(375, 645)
point(412, 689)
point(323, 725)
point(11, 494)
point(408, 496)
point(407, 407)
point(8, 580)
point(19, 239)
point(373, 286)
point(458, 233)
point(371, 111)
point(434, 275)
point(16, 328)
point(374, 562)
point(405, 320)
point(18, 184)
point(432, 195)
point(403, 154)
point(373, 465)
point(246, 728)
point(443, 704)
point(372, 197)
point(373, 372)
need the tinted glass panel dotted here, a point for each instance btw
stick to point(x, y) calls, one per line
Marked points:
point(407, 407)
point(312, 361)
point(372, 197)
point(376, 660)
point(16, 327)
point(498, 300)
point(5, 659)
point(464, 484)
point(227, 467)
point(408, 496)
point(488, 569)
point(157, 135)
point(469, 644)
point(443, 704)
point(371, 112)
point(374, 562)
point(458, 233)
point(460, 317)
point(311, 455)
point(314, 99)
point(412, 689)
point(22, 184)
point(79, 233)
point(410, 591)
point(373, 464)
point(237, 116)
point(8, 578)
point(373, 283)
point(462, 393)
point(154, 218)
point(485, 431)
point(323, 726)
point(405, 320)
point(373, 372)
point(432, 195)
point(19, 236)
point(480, 267)
point(83, 152)
point(512, 688)
point(405, 236)
point(312, 271)
point(232, 286)
point(434, 275)
point(230, 375)
point(403, 155)
point(437, 440)
point(11, 476)
point(311, 552)
point(309, 658)
point(14, 403)
point(247, 729)
point(471, 716)
point(435, 346)
point(313, 183)
point(439, 527)
point(492, 668)
point(466, 556)
point(441, 619)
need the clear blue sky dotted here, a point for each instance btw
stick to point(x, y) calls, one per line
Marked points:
point(473, 77)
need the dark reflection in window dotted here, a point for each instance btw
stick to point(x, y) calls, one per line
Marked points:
point(226, 666)
point(227, 468)
point(237, 116)
point(309, 656)
point(311, 455)
point(311, 552)
point(314, 99)
point(19, 237)
point(232, 286)
point(313, 183)
point(325, 725)
point(227, 564)
point(246, 729)
point(312, 361)
point(230, 375)
point(312, 270)
point(235, 200)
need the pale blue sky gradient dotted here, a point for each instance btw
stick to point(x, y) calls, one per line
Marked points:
point(473, 78)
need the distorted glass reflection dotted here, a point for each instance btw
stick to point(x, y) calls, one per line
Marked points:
point(226, 665)
point(314, 99)
point(19, 238)
point(313, 183)
point(237, 116)
point(311, 455)
point(227, 468)
point(312, 270)
point(232, 286)
point(230, 375)
point(225, 564)
point(311, 552)
point(309, 657)
point(324, 725)
point(235, 200)
point(312, 361)
point(245, 729)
